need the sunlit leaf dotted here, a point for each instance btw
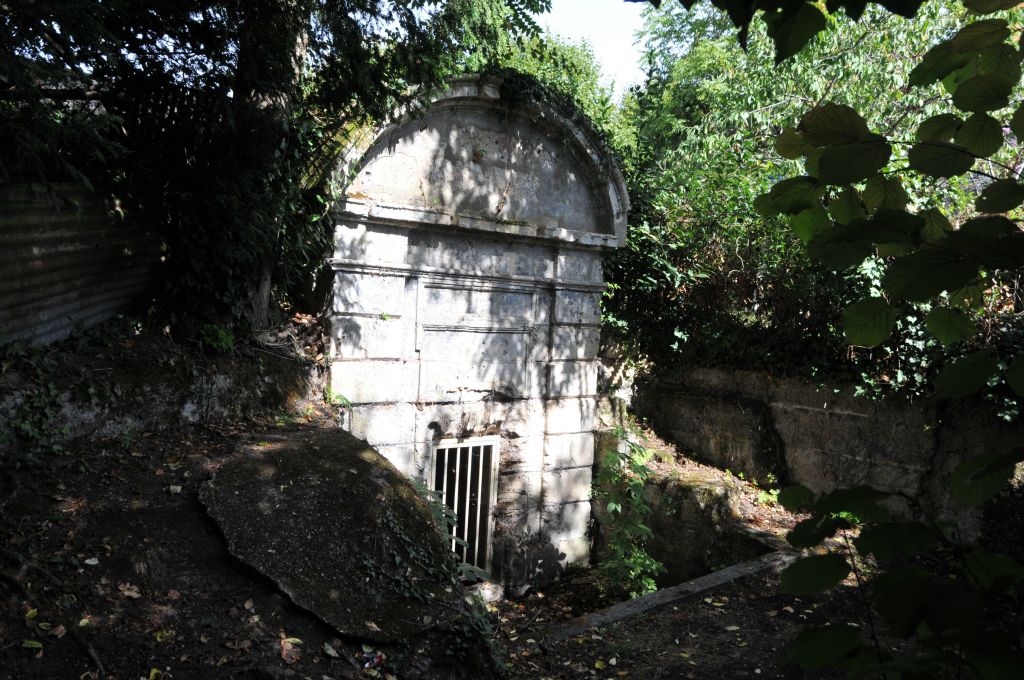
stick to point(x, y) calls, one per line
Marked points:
point(832, 124)
point(984, 92)
point(884, 192)
point(940, 128)
point(936, 226)
point(847, 206)
point(809, 223)
point(981, 134)
point(790, 144)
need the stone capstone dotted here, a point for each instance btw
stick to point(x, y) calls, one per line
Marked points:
point(339, 530)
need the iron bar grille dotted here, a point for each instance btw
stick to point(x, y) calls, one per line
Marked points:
point(465, 475)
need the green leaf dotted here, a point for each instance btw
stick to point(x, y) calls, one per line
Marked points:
point(923, 274)
point(981, 134)
point(813, 574)
point(902, 598)
point(979, 35)
point(812, 531)
point(796, 498)
point(984, 92)
point(847, 206)
point(810, 223)
point(884, 192)
point(1017, 122)
point(789, 196)
point(1000, 196)
point(890, 540)
point(31, 644)
point(937, 63)
point(838, 253)
point(936, 226)
point(940, 159)
point(990, 240)
point(817, 648)
point(861, 501)
point(949, 325)
point(989, 6)
point(940, 128)
point(978, 479)
point(869, 323)
point(965, 376)
point(792, 30)
point(991, 571)
point(848, 163)
point(1015, 374)
point(832, 124)
point(790, 144)
point(993, 661)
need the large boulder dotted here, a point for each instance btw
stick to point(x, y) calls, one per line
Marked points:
point(340, 531)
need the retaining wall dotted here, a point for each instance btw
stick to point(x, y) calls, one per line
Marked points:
point(823, 437)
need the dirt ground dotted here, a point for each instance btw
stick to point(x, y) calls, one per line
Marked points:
point(738, 631)
point(111, 568)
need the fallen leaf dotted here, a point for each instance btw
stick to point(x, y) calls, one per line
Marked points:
point(92, 561)
point(599, 665)
point(290, 651)
point(128, 590)
point(373, 626)
point(330, 651)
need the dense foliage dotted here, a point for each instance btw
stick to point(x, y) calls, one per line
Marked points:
point(872, 197)
point(705, 278)
point(216, 120)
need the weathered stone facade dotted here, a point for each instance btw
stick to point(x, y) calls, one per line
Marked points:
point(468, 272)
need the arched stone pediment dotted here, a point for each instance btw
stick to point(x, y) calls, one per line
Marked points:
point(470, 158)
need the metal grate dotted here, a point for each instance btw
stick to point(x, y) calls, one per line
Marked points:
point(465, 474)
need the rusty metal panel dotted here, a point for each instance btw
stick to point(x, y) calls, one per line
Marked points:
point(67, 261)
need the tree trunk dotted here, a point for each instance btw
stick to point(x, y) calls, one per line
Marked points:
point(271, 56)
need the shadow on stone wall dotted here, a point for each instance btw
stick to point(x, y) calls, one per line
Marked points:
point(823, 437)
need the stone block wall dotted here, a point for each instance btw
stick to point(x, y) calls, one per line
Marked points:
point(822, 436)
point(468, 274)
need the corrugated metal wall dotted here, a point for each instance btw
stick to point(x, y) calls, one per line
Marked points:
point(66, 261)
